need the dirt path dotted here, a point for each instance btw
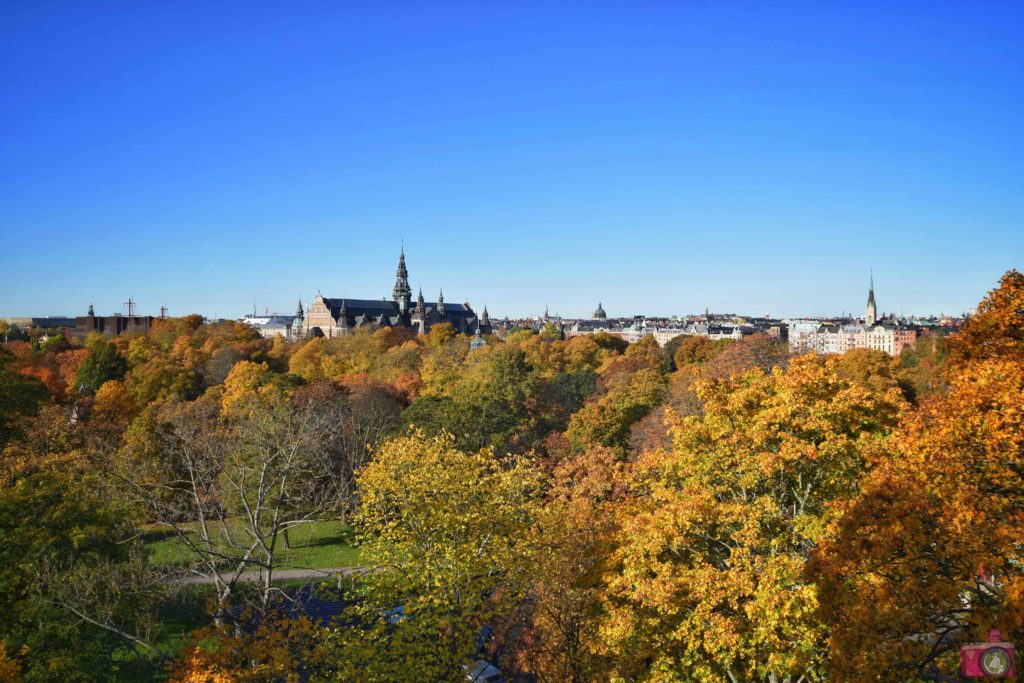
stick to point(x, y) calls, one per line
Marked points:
point(192, 578)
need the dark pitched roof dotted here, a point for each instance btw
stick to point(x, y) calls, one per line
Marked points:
point(356, 307)
point(461, 310)
point(452, 310)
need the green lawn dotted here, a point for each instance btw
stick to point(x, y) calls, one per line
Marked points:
point(316, 545)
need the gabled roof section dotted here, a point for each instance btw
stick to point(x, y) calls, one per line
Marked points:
point(357, 307)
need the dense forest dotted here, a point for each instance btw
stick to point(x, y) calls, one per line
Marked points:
point(185, 505)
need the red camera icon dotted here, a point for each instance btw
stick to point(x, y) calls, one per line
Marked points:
point(993, 659)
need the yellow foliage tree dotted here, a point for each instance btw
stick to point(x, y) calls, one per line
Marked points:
point(243, 381)
point(113, 402)
point(447, 530)
point(305, 362)
point(709, 582)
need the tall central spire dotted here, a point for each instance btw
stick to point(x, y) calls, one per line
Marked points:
point(871, 312)
point(402, 293)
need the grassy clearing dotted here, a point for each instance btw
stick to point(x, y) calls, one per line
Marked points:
point(316, 545)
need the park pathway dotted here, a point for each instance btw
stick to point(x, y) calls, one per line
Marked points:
point(192, 578)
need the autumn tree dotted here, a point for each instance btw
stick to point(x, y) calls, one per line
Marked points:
point(399, 367)
point(305, 360)
point(19, 395)
point(709, 578)
point(447, 531)
point(928, 556)
point(997, 328)
point(758, 351)
point(923, 366)
point(442, 363)
point(488, 403)
point(284, 644)
point(44, 367)
point(229, 485)
point(158, 378)
point(68, 363)
point(62, 536)
point(571, 542)
point(871, 368)
point(544, 354)
point(611, 342)
point(441, 334)
point(694, 349)
point(606, 421)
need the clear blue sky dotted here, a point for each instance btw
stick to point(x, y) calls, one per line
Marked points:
point(658, 157)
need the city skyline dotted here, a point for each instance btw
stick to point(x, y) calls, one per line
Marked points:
point(131, 306)
point(659, 159)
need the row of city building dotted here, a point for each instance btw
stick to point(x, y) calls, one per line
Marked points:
point(337, 316)
point(890, 333)
point(835, 335)
point(664, 330)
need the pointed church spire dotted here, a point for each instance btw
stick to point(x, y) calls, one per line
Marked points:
point(440, 301)
point(421, 307)
point(402, 293)
point(871, 312)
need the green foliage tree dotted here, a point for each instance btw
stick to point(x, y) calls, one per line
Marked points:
point(607, 420)
point(490, 403)
point(552, 331)
point(59, 531)
point(612, 342)
point(103, 364)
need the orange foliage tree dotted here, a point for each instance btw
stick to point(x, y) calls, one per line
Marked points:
point(997, 329)
point(929, 555)
point(277, 647)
